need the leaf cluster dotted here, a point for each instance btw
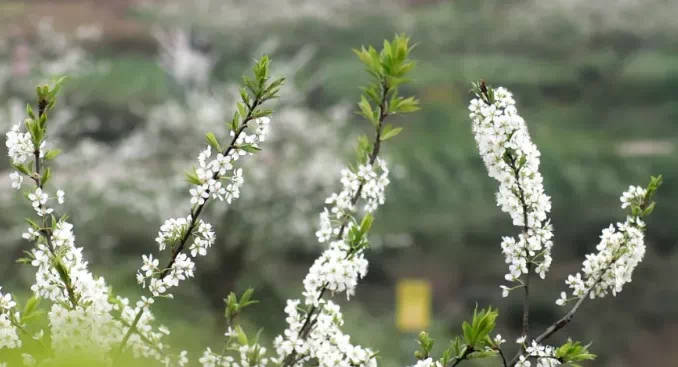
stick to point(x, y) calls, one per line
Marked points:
point(573, 352)
point(357, 235)
point(388, 68)
point(645, 206)
point(234, 306)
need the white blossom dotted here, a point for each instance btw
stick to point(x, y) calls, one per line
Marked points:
point(513, 160)
point(19, 145)
point(8, 333)
point(337, 270)
point(620, 250)
point(544, 354)
point(16, 180)
point(172, 231)
point(6, 302)
point(203, 238)
point(38, 200)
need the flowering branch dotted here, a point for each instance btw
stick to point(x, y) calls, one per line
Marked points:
point(313, 332)
point(619, 254)
point(513, 160)
point(207, 181)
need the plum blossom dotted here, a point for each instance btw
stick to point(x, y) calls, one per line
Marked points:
point(512, 159)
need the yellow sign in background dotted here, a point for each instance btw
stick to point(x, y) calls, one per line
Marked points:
point(413, 304)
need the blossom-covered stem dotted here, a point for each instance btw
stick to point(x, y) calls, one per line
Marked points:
point(513, 165)
point(308, 324)
point(620, 251)
point(198, 210)
point(45, 230)
point(195, 214)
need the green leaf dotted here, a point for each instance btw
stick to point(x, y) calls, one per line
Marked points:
point(573, 352)
point(235, 122)
point(249, 148)
point(46, 175)
point(22, 168)
point(366, 110)
point(29, 111)
point(212, 140)
point(32, 223)
point(242, 337)
point(52, 153)
point(192, 178)
point(366, 224)
point(242, 110)
point(390, 132)
point(425, 346)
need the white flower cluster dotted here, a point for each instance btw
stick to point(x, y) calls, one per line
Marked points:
point(38, 199)
point(92, 323)
point(16, 180)
point(8, 332)
point(211, 172)
point(325, 343)
point(634, 195)
point(20, 146)
point(545, 356)
point(620, 250)
point(513, 160)
point(338, 269)
point(171, 233)
point(371, 180)
point(83, 315)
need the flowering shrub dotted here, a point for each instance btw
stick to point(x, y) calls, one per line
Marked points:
point(86, 319)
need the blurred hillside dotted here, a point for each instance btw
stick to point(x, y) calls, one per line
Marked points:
point(597, 83)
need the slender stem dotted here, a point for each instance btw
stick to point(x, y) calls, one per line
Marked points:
point(467, 352)
point(526, 302)
point(563, 321)
point(195, 214)
point(526, 283)
point(503, 357)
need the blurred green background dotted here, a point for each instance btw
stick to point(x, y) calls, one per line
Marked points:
point(597, 82)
